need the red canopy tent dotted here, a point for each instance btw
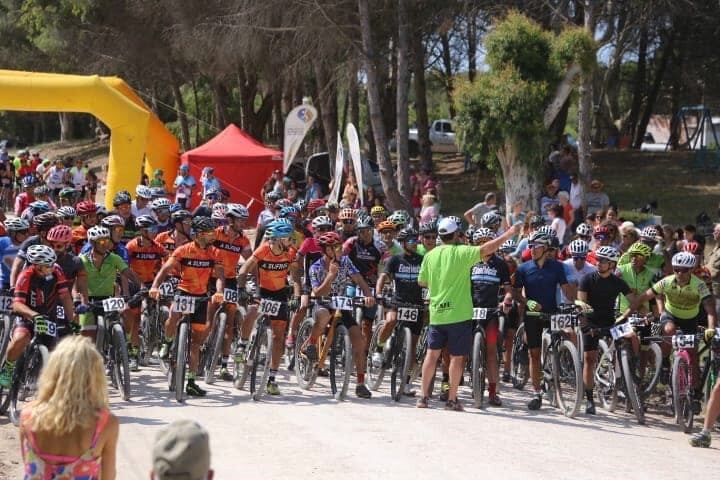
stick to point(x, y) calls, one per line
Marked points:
point(241, 163)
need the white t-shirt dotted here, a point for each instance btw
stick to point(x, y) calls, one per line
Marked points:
point(78, 176)
point(146, 210)
point(574, 275)
point(576, 195)
point(559, 225)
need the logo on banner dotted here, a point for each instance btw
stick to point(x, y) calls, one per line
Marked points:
point(306, 115)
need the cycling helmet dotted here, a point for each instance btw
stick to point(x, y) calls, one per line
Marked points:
point(180, 215)
point(143, 192)
point(683, 260)
point(300, 205)
point(42, 190)
point(406, 234)
point(237, 210)
point(39, 206)
point(45, 221)
point(649, 233)
point(113, 221)
point(98, 233)
point(536, 221)
point(639, 248)
point(41, 255)
point(398, 218)
point(101, 210)
point(157, 192)
point(212, 191)
point(329, 239)
point(28, 181)
point(491, 219)
point(202, 224)
point(66, 212)
point(385, 225)
point(68, 193)
point(378, 210)
point(278, 229)
point(289, 212)
point(322, 221)
point(160, 204)
point(481, 233)
point(509, 246)
point(15, 224)
point(547, 230)
point(578, 247)
point(610, 254)
point(469, 232)
point(283, 202)
point(145, 221)
point(60, 234)
point(121, 198)
point(602, 231)
point(314, 204)
point(347, 214)
point(428, 227)
point(219, 211)
point(584, 230)
point(86, 208)
point(692, 247)
point(539, 238)
point(272, 197)
point(365, 221)
point(175, 207)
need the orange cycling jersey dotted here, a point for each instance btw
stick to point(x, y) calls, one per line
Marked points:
point(145, 260)
point(196, 267)
point(168, 242)
point(229, 250)
point(273, 269)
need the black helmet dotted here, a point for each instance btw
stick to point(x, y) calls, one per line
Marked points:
point(365, 221)
point(407, 233)
point(202, 224)
point(428, 227)
point(180, 215)
point(45, 221)
point(121, 197)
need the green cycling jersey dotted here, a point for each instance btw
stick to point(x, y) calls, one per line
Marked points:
point(682, 302)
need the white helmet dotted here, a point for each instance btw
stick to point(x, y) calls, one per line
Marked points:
point(578, 247)
point(219, 210)
point(41, 255)
point(610, 254)
point(584, 230)
point(684, 260)
point(143, 192)
point(482, 233)
point(16, 224)
point(491, 219)
point(322, 221)
point(160, 203)
point(547, 230)
point(66, 212)
point(237, 210)
point(98, 232)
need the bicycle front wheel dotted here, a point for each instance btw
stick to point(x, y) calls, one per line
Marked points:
point(305, 371)
point(374, 374)
point(400, 363)
point(568, 378)
point(682, 391)
point(605, 377)
point(261, 359)
point(181, 358)
point(213, 346)
point(631, 385)
point(341, 363)
point(121, 365)
point(5, 326)
point(24, 385)
point(479, 353)
point(520, 360)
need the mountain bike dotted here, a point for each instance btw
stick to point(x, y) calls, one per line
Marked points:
point(212, 348)
point(111, 341)
point(179, 357)
point(259, 351)
point(6, 316)
point(478, 360)
point(152, 321)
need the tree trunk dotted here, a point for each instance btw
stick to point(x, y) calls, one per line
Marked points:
point(220, 101)
point(66, 126)
point(401, 108)
point(447, 65)
point(327, 91)
point(638, 85)
point(353, 95)
point(585, 108)
point(521, 184)
point(394, 199)
point(197, 113)
point(182, 117)
point(675, 98)
point(472, 46)
point(421, 112)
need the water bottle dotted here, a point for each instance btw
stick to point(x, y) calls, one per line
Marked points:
point(350, 291)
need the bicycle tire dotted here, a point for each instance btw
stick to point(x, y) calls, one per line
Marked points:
point(215, 342)
point(374, 375)
point(305, 371)
point(420, 350)
point(401, 364)
point(519, 360)
point(5, 327)
point(630, 385)
point(547, 383)
point(653, 378)
point(341, 363)
point(181, 357)
point(263, 358)
point(100, 332)
point(31, 365)
point(479, 353)
point(121, 364)
point(568, 378)
point(605, 378)
point(681, 391)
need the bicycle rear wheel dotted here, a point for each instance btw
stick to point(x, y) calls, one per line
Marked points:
point(400, 363)
point(682, 391)
point(546, 361)
point(568, 378)
point(5, 327)
point(374, 374)
point(24, 384)
point(606, 381)
point(631, 385)
point(341, 363)
point(100, 333)
point(653, 367)
point(520, 360)
point(121, 366)
point(181, 358)
point(213, 346)
point(261, 358)
point(305, 371)
point(479, 353)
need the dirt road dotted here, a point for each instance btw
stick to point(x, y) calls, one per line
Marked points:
point(308, 433)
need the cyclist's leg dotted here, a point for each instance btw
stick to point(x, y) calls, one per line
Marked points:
point(667, 324)
point(358, 345)
point(493, 368)
point(297, 318)
point(368, 318)
point(231, 311)
point(248, 323)
point(322, 316)
point(387, 328)
point(533, 337)
point(590, 358)
point(511, 325)
point(690, 327)
point(88, 325)
point(199, 325)
point(21, 335)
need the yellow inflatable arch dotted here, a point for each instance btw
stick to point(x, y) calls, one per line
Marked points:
point(136, 132)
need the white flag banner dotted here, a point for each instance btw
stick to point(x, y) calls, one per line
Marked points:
point(297, 124)
point(354, 147)
point(339, 162)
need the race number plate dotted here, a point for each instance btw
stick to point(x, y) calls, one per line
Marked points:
point(408, 314)
point(620, 331)
point(269, 307)
point(561, 322)
point(480, 313)
point(683, 341)
point(183, 304)
point(636, 321)
point(166, 289)
point(46, 327)
point(341, 303)
point(425, 294)
point(113, 304)
point(60, 312)
point(230, 295)
point(6, 303)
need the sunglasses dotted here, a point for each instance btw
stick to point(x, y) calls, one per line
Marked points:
point(411, 241)
point(58, 246)
point(348, 221)
point(579, 257)
point(681, 270)
point(429, 237)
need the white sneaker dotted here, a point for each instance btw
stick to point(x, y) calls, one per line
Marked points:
point(408, 390)
point(377, 359)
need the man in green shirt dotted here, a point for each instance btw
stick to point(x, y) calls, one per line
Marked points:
point(445, 271)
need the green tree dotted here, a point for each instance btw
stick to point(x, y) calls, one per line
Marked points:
point(504, 116)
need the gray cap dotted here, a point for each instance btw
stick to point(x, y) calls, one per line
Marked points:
point(181, 452)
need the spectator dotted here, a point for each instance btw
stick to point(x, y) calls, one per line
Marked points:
point(564, 199)
point(629, 235)
point(181, 451)
point(577, 199)
point(596, 201)
point(557, 223)
point(474, 215)
point(158, 181)
point(184, 185)
point(430, 210)
point(208, 180)
point(68, 428)
point(612, 216)
point(312, 189)
point(78, 176)
point(550, 198)
point(54, 177)
point(713, 261)
point(690, 235)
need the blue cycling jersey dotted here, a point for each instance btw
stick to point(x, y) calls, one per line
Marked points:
point(8, 252)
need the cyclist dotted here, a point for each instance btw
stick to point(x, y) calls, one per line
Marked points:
point(388, 232)
point(141, 205)
point(23, 200)
point(231, 243)
point(39, 290)
point(637, 275)
point(17, 232)
point(428, 237)
point(329, 276)
point(348, 221)
point(180, 234)
point(161, 210)
point(123, 209)
point(87, 211)
point(116, 227)
point(42, 223)
point(491, 220)
point(700, 270)
point(196, 261)
point(68, 197)
point(490, 277)
point(67, 215)
point(600, 290)
point(648, 236)
point(536, 283)
point(274, 261)
point(403, 270)
point(533, 223)
point(59, 238)
point(268, 213)
point(576, 267)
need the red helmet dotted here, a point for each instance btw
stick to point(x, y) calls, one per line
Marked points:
point(329, 239)
point(86, 208)
point(601, 230)
point(314, 204)
point(60, 234)
point(347, 214)
point(692, 247)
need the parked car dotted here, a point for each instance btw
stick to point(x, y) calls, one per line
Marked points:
point(442, 139)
